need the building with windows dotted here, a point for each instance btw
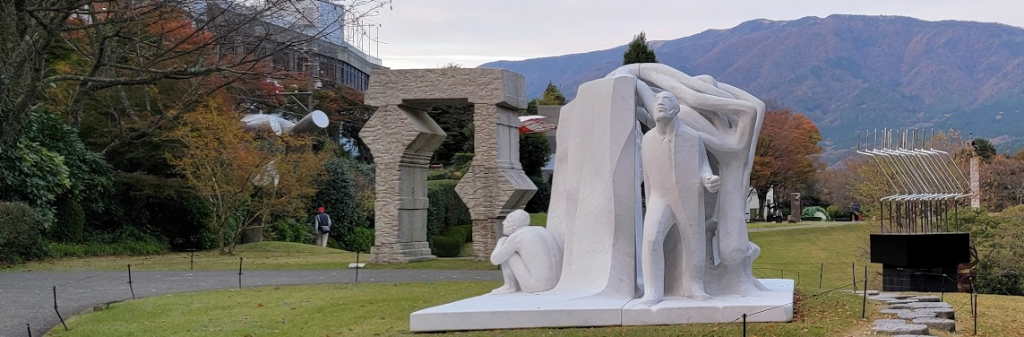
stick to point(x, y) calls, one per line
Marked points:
point(326, 32)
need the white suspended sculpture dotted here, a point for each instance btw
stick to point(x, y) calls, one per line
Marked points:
point(312, 122)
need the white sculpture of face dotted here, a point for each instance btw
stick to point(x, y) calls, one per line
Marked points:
point(666, 107)
point(515, 221)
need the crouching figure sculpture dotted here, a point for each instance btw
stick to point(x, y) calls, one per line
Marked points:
point(530, 257)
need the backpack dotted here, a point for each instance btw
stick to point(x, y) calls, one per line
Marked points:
point(324, 222)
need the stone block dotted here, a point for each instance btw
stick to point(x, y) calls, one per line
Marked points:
point(429, 87)
point(894, 312)
point(928, 298)
point(402, 138)
point(912, 314)
point(905, 301)
point(920, 305)
point(947, 313)
point(900, 329)
point(889, 321)
point(937, 323)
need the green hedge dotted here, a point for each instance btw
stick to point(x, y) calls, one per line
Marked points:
point(446, 208)
point(21, 237)
point(444, 246)
point(465, 232)
point(362, 239)
point(540, 201)
point(62, 250)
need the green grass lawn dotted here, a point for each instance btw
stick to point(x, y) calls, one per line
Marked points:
point(762, 225)
point(804, 251)
point(794, 251)
point(539, 219)
point(383, 309)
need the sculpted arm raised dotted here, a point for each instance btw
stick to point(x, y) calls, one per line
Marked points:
point(502, 251)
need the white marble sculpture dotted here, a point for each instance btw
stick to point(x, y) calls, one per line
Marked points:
point(529, 257)
point(689, 260)
point(728, 120)
point(676, 172)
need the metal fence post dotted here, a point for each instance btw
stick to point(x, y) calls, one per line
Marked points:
point(58, 311)
point(240, 272)
point(130, 281)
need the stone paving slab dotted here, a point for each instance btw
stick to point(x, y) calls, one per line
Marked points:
point(901, 329)
point(910, 314)
point(894, 311)
point(921, 305)
point(937, 323)
point(889, 321)
point(905, 301)
point(947, 313)
point(929, 298)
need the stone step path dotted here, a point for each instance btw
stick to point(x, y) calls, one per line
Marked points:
point(913, 315)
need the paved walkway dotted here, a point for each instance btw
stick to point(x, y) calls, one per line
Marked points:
point(27, 297)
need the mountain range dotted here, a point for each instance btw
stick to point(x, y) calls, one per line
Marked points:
point(845, 72)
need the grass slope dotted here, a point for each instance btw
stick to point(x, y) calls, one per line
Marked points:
point(804, 251)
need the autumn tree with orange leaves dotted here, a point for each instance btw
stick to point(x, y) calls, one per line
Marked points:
point(244, 176)
point(786, 154)
point(67, 54)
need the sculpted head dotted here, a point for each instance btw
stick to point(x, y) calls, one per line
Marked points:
point(666, 107)
point(515, 221)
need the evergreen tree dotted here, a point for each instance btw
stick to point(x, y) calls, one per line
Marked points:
point(983, 148)
point(638, 51)
point(552, 96)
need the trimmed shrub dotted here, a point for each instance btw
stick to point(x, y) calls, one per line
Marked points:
point(462, 161)
point(131, 248)
point(446, 209)
point(534, 153)
point(21, 236)
point(464, 231)
point(362, 240)
point(438, 175)
point(540, 200)
point(291, 230)
point(444, 246)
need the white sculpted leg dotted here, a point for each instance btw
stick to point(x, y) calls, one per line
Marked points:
point(528, 282)
point(511, 284)
point(656, 224)
point(693, 260)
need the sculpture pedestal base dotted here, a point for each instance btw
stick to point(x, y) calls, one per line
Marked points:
point(521, 310)
point(402, 252)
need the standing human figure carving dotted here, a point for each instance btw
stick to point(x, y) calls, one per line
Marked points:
point(728, 121)
point(676, 172)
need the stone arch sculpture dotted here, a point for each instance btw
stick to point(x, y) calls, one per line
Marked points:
point(402, 138)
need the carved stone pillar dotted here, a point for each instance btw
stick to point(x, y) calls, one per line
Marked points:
point(402, 138)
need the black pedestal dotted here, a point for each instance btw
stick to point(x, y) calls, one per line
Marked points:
point(920, 262)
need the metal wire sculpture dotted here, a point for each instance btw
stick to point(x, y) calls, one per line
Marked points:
point(926, 181)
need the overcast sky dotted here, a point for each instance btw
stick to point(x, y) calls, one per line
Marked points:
point(432, 33)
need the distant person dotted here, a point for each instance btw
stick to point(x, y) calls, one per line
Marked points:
point(322, 227)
